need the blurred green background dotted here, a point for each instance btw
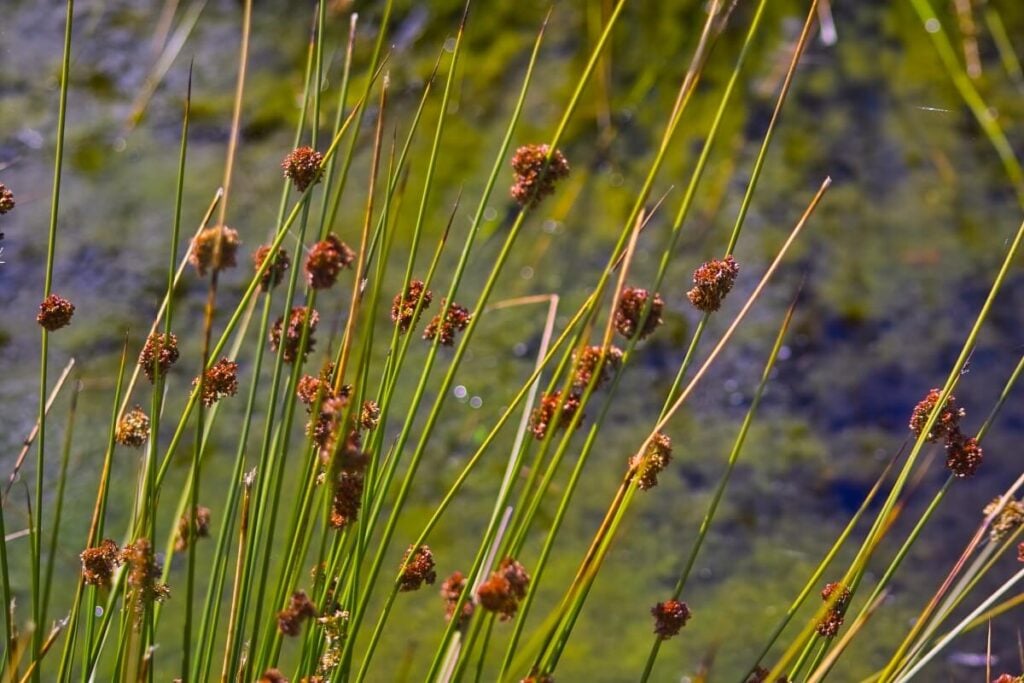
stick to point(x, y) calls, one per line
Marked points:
point(897, 261)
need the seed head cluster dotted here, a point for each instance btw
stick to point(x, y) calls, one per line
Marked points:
point(535, 174)
point(158, 354)
point(504, 589)
point(303, 166)
point(446, 325)
point(712, 282)
point(55, 312)
point(325, 261)
point(670, 617)
point(630, 309)
point(99, 563)
point(299, 609)
point(206, 255)
point(963, 453)
point(417, 569)
point(403, 306)
point(6, 199)
point(188, 530)
point(451, 589)
point(144, 573)
point(594, 361)
point(543, 415)
point(288, 335)
point(1006, 522)
point(369, 415)
point(655, 458)
point(220, 380)
point(838, 597)
point(279, 264)
point(132, 429)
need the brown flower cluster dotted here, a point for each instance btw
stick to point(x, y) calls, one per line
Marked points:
point(325, 426)
point(712, 282)
point(347, 498)
point(1020, 552)
point(451, 589)
point(288, 336)
point(187, 530)
point(963, 453)
point(504, 589)
point(325, 261)
point(99, 563)
point(1009, 518)
point(630, 309)
point(279, 264)
point(144, 572)
point(446, 325)
point(219, 381)
point(310, 389)
point(656, 457)
point(669, 617)
point(158, 354)
point(417, 569)
point(369, 415)
point(273, 675)
point(6, 199)
point(535, 174)
point(544, 414)
point(403, 306)
point(204, 255)
point(591, 361)
point(1009, 678)
point(838, 596)
point(55, 312)
point(133, 429)
point(300, 608)
point(303, 166)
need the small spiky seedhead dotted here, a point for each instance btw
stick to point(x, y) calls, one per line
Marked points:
point(963, 455)
point(656, 457)
point(1008, 519)
point(712, 282)
point(279, 264)
point(504, 589)
point(838, 596)
point(158, 354)
point(455, 319)
point(55, 312)
point(325, 261)
point(629, 310)
point(6, 199)
point(451, 589)
point(273, 675)
point(403, 306)
point(369, 415)
point(304, 167)
point(292, 333)
point(417, 569)
point(144, 573)
point(543, 415)
point(535, 175)
point(188, 530)
point(591, 361)
point(204, 248)
point(947, 424)
point(299, 609)
point(133, 429)
point(347, 498)
point(669, 617)
point(220, 380)
point(99, 563)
